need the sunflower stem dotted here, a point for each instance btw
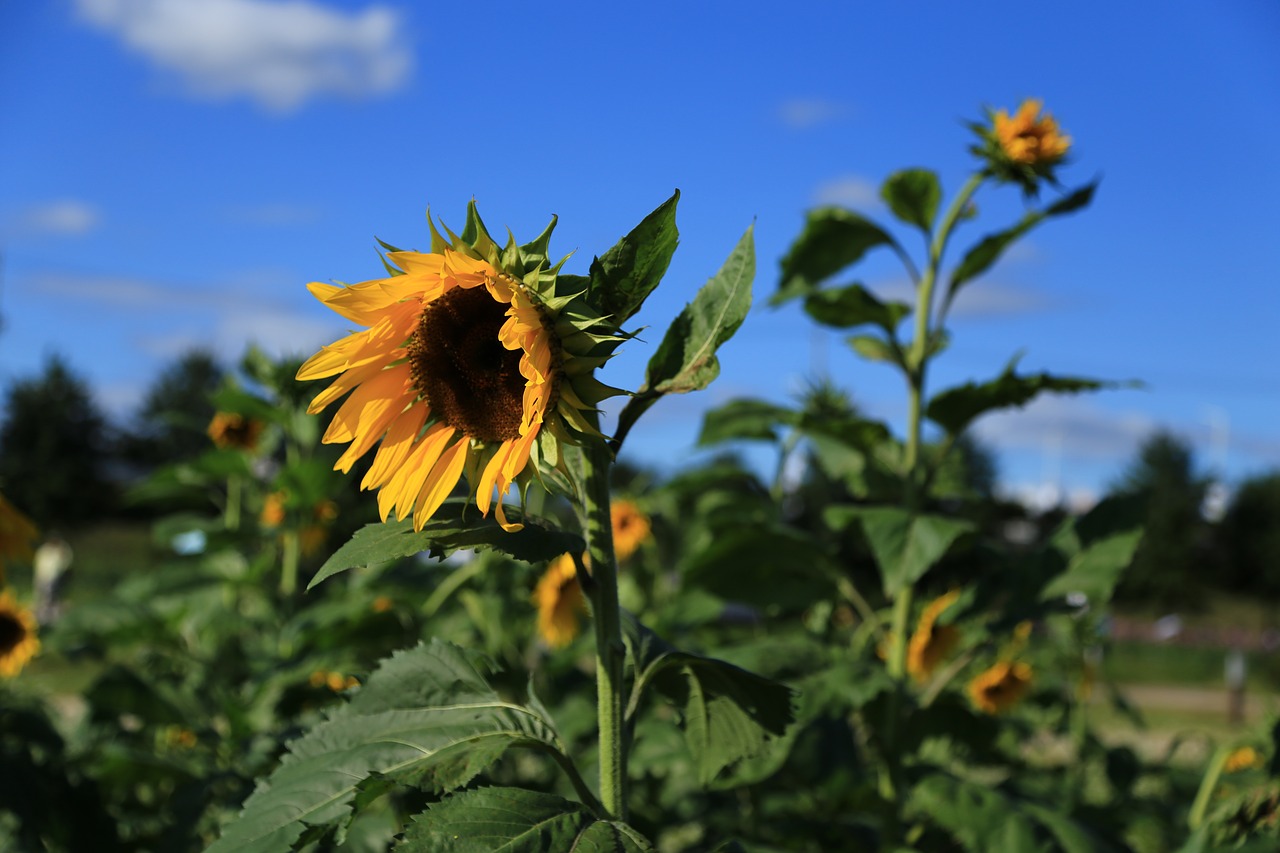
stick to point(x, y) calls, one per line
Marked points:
point(231, 513)
point(610, 653)
point(290, 546)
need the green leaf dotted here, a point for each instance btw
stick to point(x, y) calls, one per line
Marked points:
point(832, 239)
point(728, 713)
point(744, 564)
point(449, 530)
point(623, 277)
point(854, 305)
point(905, 546)
point(437, 747)
point(876, 349)
point(686, 359)
point(955, 408)
point(744, 419)
point(513, 820)
point(1097, 548)
point(988, 250)
point(913, 196)
point(984, 819)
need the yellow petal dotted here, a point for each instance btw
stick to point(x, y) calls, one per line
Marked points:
point(367, 404)
point(444, 476)
point(396, 446)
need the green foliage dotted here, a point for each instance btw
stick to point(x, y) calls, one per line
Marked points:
point(956, 408)
point(832, 239)
point(854, 305)
point(54, 446)
point(913, 195)
point(905, 545)
point(1250, 536)
point(428, 718)
point(518, 821)
point(686, 358)
point(455, 526)
point(175, 411)
point(623, 277)
point(728, 714)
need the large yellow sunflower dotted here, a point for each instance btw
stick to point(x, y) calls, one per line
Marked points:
point(560, 602)
point(18, 641)
point(471, 364)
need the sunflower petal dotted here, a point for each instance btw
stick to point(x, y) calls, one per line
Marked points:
point(440, 482)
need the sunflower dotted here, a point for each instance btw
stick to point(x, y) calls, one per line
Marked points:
point(235, 431)
point(273, 509)
point(1022, 148)
point(18, 641)
point(631, 528)
point(560, 602)
point(1244, 758)
point(471, 363)
point(931, 642)
point(16, 535)
point(1030, 138)
point(1001, 687)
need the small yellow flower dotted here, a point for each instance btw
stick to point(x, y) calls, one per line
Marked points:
point(18, 641)
point(1244, 758)
point(931, 642)
point(382, 604)
point(1001, 687)
point(335, 681)
point(560, 602)
point(235, 431)
point(631, 528)
point(178, 737)
point(273, 510)
point(16, 535)
point(1030, 138)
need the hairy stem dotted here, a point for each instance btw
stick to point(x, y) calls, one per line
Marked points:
point(610, 653)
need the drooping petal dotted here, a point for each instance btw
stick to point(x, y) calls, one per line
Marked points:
point(440, 482)
point(396, 446)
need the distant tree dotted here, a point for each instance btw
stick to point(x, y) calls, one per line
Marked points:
point(1249, 537)
point(175, 412)
point(55, 447)
point(1174, 563)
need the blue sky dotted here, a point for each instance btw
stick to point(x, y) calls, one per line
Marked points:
point(172, 174)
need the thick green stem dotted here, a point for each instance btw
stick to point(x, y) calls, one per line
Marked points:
point(913, 497)
point(610, 653)
point(231, 513)
point(1207, 784)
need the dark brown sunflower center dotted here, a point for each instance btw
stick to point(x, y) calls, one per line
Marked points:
point(12, 632)
point(470, 380)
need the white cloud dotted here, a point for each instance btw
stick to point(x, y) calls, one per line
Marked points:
point(226, 318)
point(280, 54)
point(848, 191)
point(805, 113)
point(62, 218)
point(1067, 427)
point(977, 300)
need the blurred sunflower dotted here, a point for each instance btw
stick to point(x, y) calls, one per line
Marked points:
point(16, 535)
point(471, 364)
point(273, 509)
point(1244, 758)
point(631, 528)
point(18, 641)
point(560, 602)
point(1001, 687)
point(932, 642)
point(1024, 147)
point(234, 431)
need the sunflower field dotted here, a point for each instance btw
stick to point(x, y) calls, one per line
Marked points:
point(408, 598)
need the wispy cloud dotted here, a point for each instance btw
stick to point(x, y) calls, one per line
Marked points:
point(806, 113)
point(279, 54)
point(1067, 426)
point(978, 301)
point(848, 191)
point(61, 218)
point(226, 318)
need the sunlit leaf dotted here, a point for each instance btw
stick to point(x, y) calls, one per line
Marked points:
point(623, 277)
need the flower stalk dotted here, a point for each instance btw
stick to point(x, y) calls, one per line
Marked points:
point(610, 652)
